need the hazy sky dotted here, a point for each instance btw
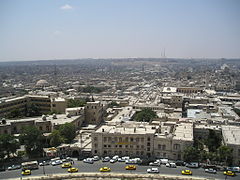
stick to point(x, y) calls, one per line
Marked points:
point(61, 29)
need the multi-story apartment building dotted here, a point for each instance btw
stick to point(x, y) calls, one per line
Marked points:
point(231, 139)
point(171, 140)
point(44, 104)
point(126, 140)
point(143, 140)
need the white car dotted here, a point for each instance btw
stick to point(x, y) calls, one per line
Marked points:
point(113, 160)
point(155, 163)
point(125, 158)
point(88, 160)
point(171, 165)
point(106, 159)
point(131, 161)
point(96, 158)
point(121, 160)
point(153, 170)
point(115, 157)
point(57, 162)
point(164, 161)
point(210, 170)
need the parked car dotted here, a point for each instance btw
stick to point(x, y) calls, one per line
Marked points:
point(113, 160)
point(210, 170)
point(131, 161)
point(96, 158)
point(121, 160)
point(193, 165)
point(13, 167)
point(171, 165)
point(180, 163)
point(106, 159)
point(164, 161)
point(88, 160)
point(44, 163)
point(153, 170)
point(155, 163)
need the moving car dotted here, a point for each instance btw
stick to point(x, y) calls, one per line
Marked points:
point(171, 165)
point(186, 172)
point(57, 162)
point(130, 167)
point(13, 167)
point(67, 165)
point(229, 173)
point(105, 169)
point(193, 165)
point(72, 170)
point(26, 172)
point(210, 170)
point(153, 170)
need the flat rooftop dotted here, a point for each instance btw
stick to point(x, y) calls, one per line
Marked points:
point(231, 134)
point(184, 131)
point(128, 128)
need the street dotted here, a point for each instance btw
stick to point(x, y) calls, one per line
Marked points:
point(117, 167)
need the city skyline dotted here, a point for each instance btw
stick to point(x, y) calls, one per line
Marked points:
point(65, 29)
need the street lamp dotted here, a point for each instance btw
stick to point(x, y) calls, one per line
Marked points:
point(44, 168)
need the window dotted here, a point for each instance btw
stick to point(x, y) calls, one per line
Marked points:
point(109, 146)
point(137, 139)
point(164, 147)
point(148, 149)
point(148, 144)
point(104, 139)
point(120, 146)
point(142, 139)
point(96, 145)
point(176, 146)
point(126, 139)
point(109, 139)
point(131, 139)
point(120, 139)
point(95, 151)
point(40, 128)
point(126, 146)
point(142, 153)
point(105, 145)
point(159, 146)
point(142, 146)
point(148, 138)
point(95, 138)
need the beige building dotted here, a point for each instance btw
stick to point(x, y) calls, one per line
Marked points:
point(231, 139)
point(171, 140)
point(45, 123)
point(129, 139)
point(93, 113)
point(45, 104)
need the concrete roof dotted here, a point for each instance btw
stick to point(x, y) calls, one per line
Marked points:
point(231, 134)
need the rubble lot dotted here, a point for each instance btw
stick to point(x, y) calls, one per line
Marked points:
point(107, 176)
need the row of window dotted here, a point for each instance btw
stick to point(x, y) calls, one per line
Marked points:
point(121, 139)
point(122, 146)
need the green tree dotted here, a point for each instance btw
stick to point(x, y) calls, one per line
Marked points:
point(32, 110)
point(15, 113)
point(225, 154)
point(113, 104)
point(55, 138)
point(68, 132)
point(8, 145)
point(191, 154)
point(145, 115)
point(213, 141)
point(33, 140)
point(76, 103)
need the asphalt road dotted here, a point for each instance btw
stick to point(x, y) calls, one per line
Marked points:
point(118, 167)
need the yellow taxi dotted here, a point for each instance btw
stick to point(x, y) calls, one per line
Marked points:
point(26, 172)
point(187, 172)
point(67, 165)
point(130, 167)
point(105, 169)
point(229, 173)
point(72, 170)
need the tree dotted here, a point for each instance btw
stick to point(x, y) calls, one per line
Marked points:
point(225, 154)
point(33, 140)
point(8, 145)
point(213, 141)
point(146, 115)
point(55, 138)
point(113, 104)
point(32, 110)
point(68, 132)
point(76, 103)
point(191, 154)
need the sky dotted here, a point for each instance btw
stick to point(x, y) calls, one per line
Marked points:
point(73, 29)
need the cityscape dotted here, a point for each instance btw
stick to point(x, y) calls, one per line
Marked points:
point(134, 112)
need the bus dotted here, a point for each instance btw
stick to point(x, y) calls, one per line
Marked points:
point(30, 165)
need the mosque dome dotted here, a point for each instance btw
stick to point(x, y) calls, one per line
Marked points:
point(42, 83)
